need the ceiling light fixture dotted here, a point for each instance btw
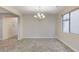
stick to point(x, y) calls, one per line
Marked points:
point(39, 14)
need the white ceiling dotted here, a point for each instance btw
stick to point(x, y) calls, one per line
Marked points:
point(2, 11)
point(5, 12)
point(33, 9)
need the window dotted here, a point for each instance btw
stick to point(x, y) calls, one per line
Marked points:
point(74, 26)
point(65, 23)
point(70, 22)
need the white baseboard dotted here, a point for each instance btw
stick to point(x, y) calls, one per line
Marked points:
point(35, 37)
point(39, 37)
point(67, 45)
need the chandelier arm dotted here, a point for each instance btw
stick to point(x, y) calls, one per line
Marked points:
point(39, 14)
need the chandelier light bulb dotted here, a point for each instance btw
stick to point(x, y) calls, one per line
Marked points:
point(35, 16)
point(39, 14)
point(43, 16)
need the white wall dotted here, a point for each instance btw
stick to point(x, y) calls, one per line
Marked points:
point(1, 18)
point(33, 28)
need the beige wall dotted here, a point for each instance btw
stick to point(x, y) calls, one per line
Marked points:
point(72, 40)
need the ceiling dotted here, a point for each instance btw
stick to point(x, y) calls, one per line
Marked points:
point(2, 11)
point(5, 12)
point(34, 9)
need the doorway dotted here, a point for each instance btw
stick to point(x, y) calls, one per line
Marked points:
point(10, 27)
point(8, 24)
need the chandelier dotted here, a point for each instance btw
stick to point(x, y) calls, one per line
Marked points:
point(39, 14)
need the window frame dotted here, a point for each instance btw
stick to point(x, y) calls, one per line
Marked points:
point(69, 20)
point(64, 21)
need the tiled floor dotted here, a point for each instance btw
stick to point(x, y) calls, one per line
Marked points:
point(33, 45)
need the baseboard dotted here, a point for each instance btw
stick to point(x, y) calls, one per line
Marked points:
point(39, 37)
point(74, 50)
